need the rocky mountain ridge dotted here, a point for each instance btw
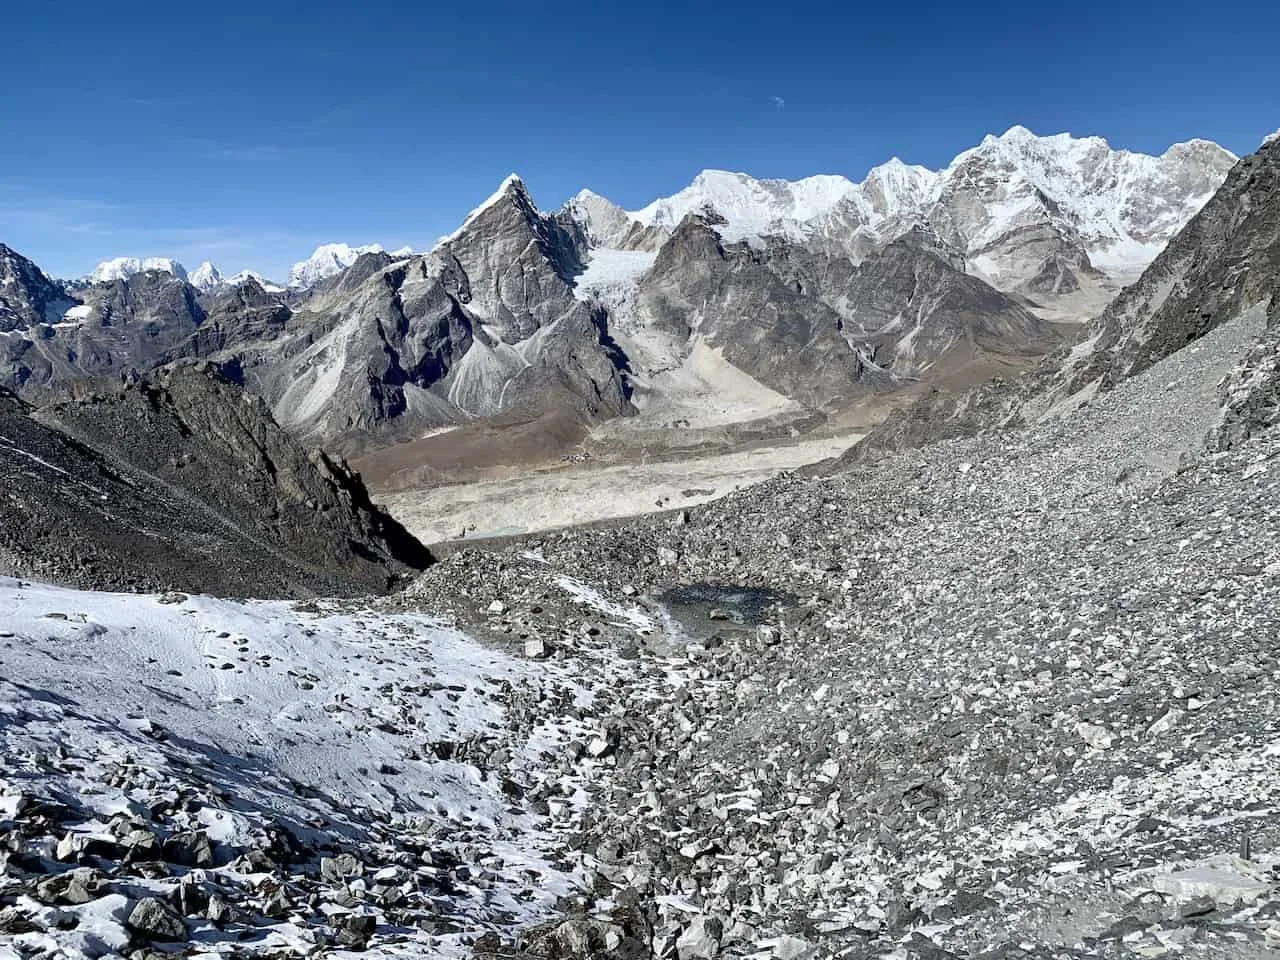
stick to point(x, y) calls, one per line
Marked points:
point(824, 293)
point(182, 481)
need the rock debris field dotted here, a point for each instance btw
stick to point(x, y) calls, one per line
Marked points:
point(1007, 696)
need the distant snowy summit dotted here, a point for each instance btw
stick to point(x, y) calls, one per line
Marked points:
point(244, 276)
point(1115, 207)
point(206, 278)
point(328, 260)
point(122, 268)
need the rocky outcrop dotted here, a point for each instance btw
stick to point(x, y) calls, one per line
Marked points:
point(918, 312)
point(129, 324)
point(1224, 262)
point(729, 296)
point(27, 296)
point(185, 482)
point(1251, 393)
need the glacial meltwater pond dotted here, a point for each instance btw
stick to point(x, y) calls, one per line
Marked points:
point(704, 608)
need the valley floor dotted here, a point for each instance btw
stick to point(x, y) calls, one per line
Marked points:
point(520, 501)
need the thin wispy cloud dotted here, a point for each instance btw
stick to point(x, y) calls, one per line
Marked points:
point(232, 150)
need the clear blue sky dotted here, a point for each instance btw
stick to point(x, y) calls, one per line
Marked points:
point(249, 133)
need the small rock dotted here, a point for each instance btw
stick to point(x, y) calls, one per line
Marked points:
point(354, 931)
point(793, 948)
point(700, 940)
point(155, 920)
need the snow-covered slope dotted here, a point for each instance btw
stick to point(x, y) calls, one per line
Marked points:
point(121, 268)
point(1124, 207)
point(327, 260)
point(206, 278)
point(250, 739)
point(244, 276)
point(751, 207)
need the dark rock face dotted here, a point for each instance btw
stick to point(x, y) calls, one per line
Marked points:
point(372, 355)
point(185, 482)
point(520, 264)
point(728, 294)
point(131, 324)
point(27, 296)
point(917, 310)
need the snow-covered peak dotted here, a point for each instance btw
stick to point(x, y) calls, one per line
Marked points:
point(405, 251)
point(206, 278)
point(122, 268)
point(328, 260)
point(512, 187)
point(244, 276)
point(896, 188)
point(751, 207)
point(1271, 138)
point(606, 223)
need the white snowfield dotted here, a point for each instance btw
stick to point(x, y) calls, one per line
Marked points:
point(309, 717)
point(244, 276)
point(77, 313)
point(327, 260)
point(122, 268)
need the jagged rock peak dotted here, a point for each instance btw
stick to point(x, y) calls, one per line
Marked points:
point(27, 294)
point(512, 188)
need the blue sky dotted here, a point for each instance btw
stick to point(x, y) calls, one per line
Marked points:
point(250, 133)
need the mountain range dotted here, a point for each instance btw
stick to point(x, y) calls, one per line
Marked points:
point(823, 291)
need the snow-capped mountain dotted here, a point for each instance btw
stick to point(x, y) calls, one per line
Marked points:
point(244, 276)
point(327, 260)
point(122, 268)
point(608, 226)
point(206, 278)
point(750, 207)
point(1021, 209)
